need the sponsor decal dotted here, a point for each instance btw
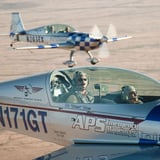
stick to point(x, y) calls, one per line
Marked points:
point(106, 125)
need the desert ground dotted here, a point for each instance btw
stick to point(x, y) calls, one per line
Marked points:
point(137, 18)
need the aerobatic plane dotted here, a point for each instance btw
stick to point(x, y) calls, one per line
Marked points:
point(96, 113)
point(59, 36)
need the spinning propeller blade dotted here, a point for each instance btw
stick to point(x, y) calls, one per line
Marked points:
point(95, 32)
point(103, 51)
point(111, 31)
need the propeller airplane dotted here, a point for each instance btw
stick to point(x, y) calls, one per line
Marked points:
point(59, 36)
point(105, 126)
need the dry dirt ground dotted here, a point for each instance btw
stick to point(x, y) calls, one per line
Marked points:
point(139, 18)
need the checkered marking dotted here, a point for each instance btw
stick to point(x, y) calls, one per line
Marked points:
point(84, 42)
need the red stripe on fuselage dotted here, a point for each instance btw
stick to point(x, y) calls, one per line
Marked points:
point(136, 121)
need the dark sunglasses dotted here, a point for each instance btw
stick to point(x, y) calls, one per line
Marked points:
point(82, 79)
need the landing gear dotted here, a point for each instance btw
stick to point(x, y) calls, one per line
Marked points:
point(11, 45)
point(72, 63)
point(93, 60)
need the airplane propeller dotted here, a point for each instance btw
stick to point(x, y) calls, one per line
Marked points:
point(103, 51)
point(95, 33)
point(112, 32)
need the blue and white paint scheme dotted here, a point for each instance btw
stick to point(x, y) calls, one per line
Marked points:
point(105, 129)
point(59, 36)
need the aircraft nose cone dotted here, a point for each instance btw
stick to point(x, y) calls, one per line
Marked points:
point(104, 39)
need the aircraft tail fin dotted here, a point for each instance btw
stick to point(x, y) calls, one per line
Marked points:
point(16, 24)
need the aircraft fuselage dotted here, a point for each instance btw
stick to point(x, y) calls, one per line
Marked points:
point(48, 124)
point(29, 106)
point(80, 41)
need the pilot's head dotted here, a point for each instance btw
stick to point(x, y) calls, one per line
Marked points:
point(67, 29)
point(129, 94)
point(80, 80)
point(55, 82)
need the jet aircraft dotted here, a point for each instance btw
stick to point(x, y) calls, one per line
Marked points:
point(105, 129)
point(59, 36)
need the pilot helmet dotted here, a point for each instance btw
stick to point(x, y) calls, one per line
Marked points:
point(77, 76)
point(126, 90)
point(55, 82)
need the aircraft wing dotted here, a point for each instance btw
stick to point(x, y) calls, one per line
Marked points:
point(49, 46)
point(118, 39)
point(104, 152)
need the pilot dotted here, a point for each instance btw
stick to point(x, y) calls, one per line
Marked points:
point(67, 29)
point(79, 93)
point(129, 95)
point(58, 88)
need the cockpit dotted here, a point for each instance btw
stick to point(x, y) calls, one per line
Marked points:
point(107, 85)
point(58, 28)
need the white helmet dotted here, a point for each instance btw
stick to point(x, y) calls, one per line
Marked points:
point(126, 90)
